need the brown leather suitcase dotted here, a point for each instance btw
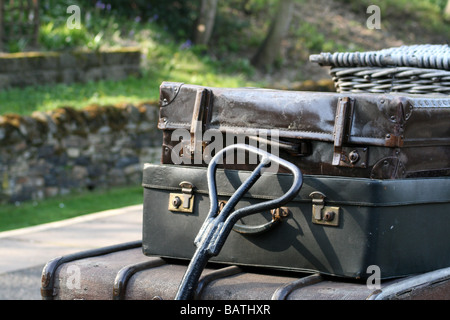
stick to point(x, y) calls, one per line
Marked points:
point(378, 136)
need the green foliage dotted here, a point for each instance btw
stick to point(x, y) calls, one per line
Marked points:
point(18, 45)
point(428, 13)
point(175, 16)
point(310, 38)
point(167, 60)
point(439, 3)
point(191, 67)
point(78, 95)
point(240, 29)
point(53, 37)
point(94, 23)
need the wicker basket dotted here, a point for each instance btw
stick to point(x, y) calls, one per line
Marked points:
point(420, 69)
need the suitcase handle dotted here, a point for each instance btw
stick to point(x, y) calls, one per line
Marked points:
point(254, 230)
point(217, 227)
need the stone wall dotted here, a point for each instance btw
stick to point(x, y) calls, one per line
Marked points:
point(52, 153)
point(31, 68)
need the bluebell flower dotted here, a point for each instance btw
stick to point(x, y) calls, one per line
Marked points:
point(100, 5)
point(186, 45)
point(154, 18)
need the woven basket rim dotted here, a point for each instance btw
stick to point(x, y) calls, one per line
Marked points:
point(428, 56)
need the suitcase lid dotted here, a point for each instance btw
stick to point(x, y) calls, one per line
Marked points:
point(391, 120)
point(338, 190)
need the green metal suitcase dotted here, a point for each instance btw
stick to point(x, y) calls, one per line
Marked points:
point(335, 225)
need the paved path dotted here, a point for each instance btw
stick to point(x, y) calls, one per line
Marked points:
point(24, 252)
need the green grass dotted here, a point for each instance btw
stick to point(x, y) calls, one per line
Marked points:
point(63, 207)
point(131, 90)
point(164, 62)
point(47, 97)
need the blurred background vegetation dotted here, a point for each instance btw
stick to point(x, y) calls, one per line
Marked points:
point(244, 42)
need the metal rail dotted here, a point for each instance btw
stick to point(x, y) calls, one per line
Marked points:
point(216, 228)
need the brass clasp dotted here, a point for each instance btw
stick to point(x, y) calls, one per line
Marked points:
point(182, 202)
point(321, 214)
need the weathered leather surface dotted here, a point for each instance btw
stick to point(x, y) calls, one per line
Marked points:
point(402, 136)
point(311, 115)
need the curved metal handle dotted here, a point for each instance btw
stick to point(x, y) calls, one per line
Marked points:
point(227, 220)
point(268, 205)
point(277, 215)
point(217, 227)
point(253, 230)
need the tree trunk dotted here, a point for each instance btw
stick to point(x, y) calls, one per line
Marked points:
point(1, 25)
point(205, 22)
point(270, 48)
point(447, 10)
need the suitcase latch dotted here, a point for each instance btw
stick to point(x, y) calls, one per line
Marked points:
point(322, 214)
point(182, 202)
point(199, 121)
point(346, 156)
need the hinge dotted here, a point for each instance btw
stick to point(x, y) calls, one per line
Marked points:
point(403, 110)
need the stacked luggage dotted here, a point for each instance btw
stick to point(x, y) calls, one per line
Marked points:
point(330, 184)
point(376, 187)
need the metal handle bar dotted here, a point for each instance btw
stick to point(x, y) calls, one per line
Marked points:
point(255, 230)
point(217, 227)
